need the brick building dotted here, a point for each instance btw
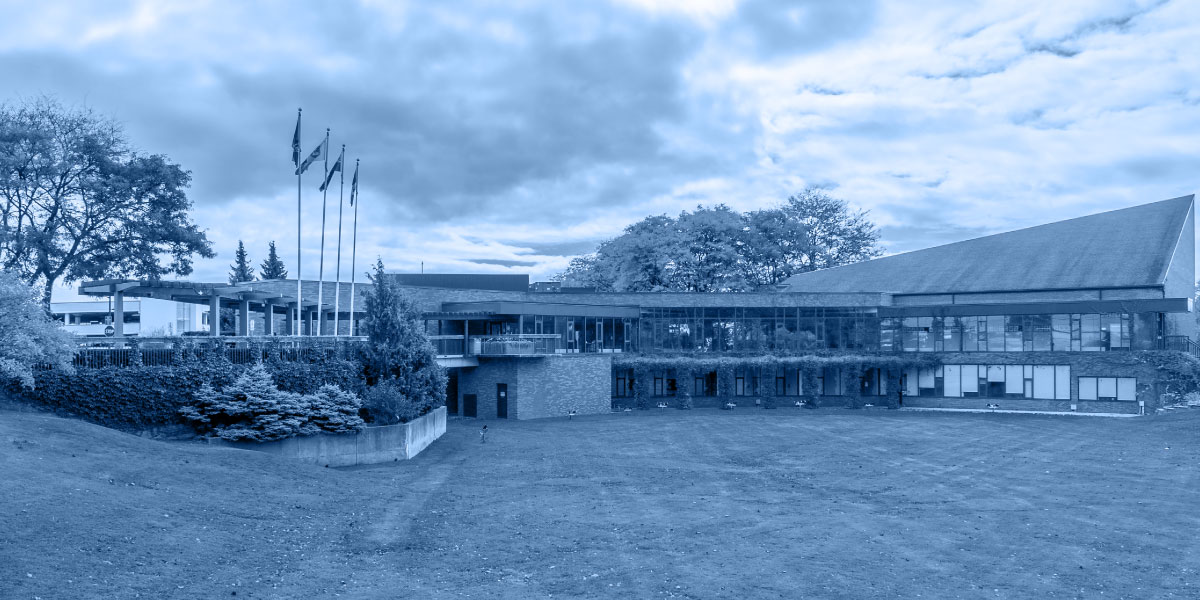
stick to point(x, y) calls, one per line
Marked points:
point(1076, 315)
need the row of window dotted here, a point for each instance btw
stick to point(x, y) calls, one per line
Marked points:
point(1043, 382)
point(1008, 333)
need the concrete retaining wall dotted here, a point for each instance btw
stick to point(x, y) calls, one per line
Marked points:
point(370, 446)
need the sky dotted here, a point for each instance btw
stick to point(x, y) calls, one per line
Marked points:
point(508, 137)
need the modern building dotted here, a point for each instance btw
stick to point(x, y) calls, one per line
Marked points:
point(146, 317)
point(1075, 316)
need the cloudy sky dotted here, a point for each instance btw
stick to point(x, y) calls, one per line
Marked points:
point(509, 136)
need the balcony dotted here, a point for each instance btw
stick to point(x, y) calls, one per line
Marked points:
point(528, 344)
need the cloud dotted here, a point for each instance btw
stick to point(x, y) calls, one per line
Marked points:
point(527, 132)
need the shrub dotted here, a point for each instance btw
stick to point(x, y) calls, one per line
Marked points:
point(254, 409)
point(134, 398)
point(683, 386)
point(386, 404)
point(29, 336)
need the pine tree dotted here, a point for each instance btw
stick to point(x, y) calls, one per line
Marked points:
point(273, 268)
point(241, 270)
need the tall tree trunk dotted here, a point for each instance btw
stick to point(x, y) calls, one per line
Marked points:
point(47, 292)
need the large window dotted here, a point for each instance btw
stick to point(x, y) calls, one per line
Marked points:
point(1108, 388)
point(1047, 382)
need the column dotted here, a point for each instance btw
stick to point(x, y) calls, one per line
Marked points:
point(119, 314)
point(268, 319)
point(214, 316)
point(243, 327)
point(312, 321)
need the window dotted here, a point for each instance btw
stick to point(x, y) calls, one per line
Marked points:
point(739, 386)
point(1050, 382)
point(658, 386)
point(1108, 388)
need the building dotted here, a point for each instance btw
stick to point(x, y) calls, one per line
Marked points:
point(1068, 316)
point(146, 317)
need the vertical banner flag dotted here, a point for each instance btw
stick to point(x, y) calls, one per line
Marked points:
point(354, 184)
point(296, 143)
point(337, 166)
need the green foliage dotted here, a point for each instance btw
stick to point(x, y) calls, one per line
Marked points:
point(397, 348)
point(386, 404)
point(642, 385)
point(273, 267)
point(808, 385)
point(133, 398)
point(684, 381)
point(240, 270)
point(28, 336)
point(88, 204)
point(254, 409)
point(852, 384)
point(718, 249)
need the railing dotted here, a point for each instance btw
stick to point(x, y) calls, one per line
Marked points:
point(528, 344)
point(1180, 343)
point(110, 352)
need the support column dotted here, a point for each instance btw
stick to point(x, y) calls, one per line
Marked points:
point(312, 321)
point(243, 327)
point(119, 314)
point(214, 316)
point(268, 319)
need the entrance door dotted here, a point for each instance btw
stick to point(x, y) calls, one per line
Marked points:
point(469, 405)
point(502, 400)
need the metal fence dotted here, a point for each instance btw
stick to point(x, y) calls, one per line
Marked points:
point(239, 350)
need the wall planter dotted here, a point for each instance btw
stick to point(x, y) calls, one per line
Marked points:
point(370, 446)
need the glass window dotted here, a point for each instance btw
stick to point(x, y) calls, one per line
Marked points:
point(953, 380)
point(1043, 382)
point(1060, 332)
point(1126, 388)
point(1014, 333)
point(970, 333)
point(995, 333)
point(1106, 388)
point(951, 335)
point(1091, 337)
point(1087, 388)
point(1041, 330)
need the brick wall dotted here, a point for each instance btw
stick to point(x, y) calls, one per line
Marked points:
point(549, 386)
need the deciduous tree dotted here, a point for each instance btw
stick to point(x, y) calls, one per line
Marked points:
point(76, 201)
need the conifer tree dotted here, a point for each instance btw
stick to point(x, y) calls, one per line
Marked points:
point(241, 270)
point(273, 268)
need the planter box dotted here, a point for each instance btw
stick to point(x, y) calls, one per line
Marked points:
point(370, 446)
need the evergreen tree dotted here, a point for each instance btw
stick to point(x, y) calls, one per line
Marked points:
point(273, 268)
point(240, 270)
point(397, 348)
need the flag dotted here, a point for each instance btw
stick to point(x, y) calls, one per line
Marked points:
point(354, 184)
point(316, 155)
point(337, 166)
point(296, 143)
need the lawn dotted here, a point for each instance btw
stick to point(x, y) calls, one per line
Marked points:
point(789, 503)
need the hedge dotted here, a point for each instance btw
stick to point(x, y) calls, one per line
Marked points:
point(139, 397)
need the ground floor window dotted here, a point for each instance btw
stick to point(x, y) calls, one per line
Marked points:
point(1045, 382)
point(1108, 388)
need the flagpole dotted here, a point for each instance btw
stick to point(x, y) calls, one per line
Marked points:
point(321, 269)
point(353, 251)
point(337, 287)
point(299, 289)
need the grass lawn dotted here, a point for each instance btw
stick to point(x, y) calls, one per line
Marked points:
point(704, 504)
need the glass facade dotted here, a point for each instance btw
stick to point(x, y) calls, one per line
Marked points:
point(1011, 333)
point(715, 330)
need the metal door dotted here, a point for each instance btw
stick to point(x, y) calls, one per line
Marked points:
point(502, 400)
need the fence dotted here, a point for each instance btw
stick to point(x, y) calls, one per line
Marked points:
point(240, 350)
point(1180, 343)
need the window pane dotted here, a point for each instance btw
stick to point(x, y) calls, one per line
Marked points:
point(953, 377)
point(1060, 326)
point(1087, 388)
point(1127, 388)
point(1106, 388)
point(1014, 380)
point(1013, 333)
point(995, 333)
point(970, 379)
point(1043, 382)
point(1090, 336)
point(1062, 382)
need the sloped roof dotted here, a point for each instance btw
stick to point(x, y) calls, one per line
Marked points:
point(1127, 247)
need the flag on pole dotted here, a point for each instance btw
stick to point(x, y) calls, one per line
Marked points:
point(296, 143)
point(337, 166)
point(354, 185)
point(317, 154)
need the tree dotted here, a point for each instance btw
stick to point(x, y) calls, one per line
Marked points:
point(718, 249)
point(77, 202)
point(272, 268)
point(30, 337)
point(397, 348)
point(240, 270)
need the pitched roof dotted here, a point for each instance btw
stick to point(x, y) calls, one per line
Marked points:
point(1127, 247)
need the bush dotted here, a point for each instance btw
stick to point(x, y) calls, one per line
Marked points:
point(133, 398)
point(254, 409)
point(386, 404)
point(30, 337)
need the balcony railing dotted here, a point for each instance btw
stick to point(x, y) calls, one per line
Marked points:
point(508, 345)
